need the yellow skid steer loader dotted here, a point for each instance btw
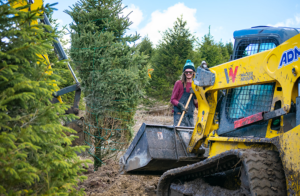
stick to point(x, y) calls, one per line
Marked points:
point(248, 119)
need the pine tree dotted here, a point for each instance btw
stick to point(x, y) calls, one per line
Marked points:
point(210, 51)
point(35, 154)
point(214, 53)
point(113, 74)
point(224, 51)
point(146, 47)
point(229, 47)
point(173, 50)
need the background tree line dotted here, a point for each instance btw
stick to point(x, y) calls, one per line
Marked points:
point(176, 46)
point(36, 155)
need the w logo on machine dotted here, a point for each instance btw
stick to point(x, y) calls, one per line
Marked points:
point(231, 75)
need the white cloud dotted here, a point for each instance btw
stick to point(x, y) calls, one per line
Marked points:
point(161, 21)
point(290, 22)
point(136, 16)
point(297, 18)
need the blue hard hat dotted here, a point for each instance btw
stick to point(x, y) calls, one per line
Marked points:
point(188, 65)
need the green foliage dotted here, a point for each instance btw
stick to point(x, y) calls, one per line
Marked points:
point(35, 154)
point(214, 53)
point(229, 47)
point(171, 54)
point(113, 74)
point(210, 51)
point(146, 47)
point(173, 50)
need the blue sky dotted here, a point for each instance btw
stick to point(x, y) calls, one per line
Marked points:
point(224, 17)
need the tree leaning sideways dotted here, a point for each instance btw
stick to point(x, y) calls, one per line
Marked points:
point(112, 71)
point(35, 154)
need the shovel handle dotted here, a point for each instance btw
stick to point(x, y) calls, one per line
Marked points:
point(186, 105)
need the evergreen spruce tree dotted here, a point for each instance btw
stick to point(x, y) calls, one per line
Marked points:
point(173, 50)
point(146, 47)
point(210, 51)
point(229, 47)
point(35, 154)
point(113, 74)
point(214, 53)
point(224, 51)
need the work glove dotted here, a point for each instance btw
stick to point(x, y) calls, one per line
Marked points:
point(192, 91)
point(181, 107)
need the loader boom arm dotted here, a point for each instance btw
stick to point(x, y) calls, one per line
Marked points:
point(280, 65)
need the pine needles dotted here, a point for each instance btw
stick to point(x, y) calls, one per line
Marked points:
point(35, 154)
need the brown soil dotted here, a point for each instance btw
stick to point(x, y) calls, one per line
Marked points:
point(108, 182)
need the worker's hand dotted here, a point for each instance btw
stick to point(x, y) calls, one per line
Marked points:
point(181, 107)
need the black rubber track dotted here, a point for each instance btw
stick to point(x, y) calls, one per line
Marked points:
point(263, 168)
point(265, 172)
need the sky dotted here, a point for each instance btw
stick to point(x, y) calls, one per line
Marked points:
point(223, 16)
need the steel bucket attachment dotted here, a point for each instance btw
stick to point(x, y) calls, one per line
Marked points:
point(154, 150)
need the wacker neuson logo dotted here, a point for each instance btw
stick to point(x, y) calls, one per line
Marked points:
point(289, 56)
point(231, 75)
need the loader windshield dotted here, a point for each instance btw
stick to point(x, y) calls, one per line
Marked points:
point(248, 100)
point(250, 47)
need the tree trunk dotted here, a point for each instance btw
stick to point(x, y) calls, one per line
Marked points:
point(97, 157)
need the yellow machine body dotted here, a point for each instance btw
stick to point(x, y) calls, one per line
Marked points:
point(264, 68)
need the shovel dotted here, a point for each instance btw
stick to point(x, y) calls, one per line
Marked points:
point(186, 105)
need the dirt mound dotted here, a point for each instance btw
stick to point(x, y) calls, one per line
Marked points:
point(108, 182)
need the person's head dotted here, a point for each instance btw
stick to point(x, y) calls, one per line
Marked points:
point(204, 64)
point(188, 71)
point(188, 65)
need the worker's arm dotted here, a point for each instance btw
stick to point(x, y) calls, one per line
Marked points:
point(176, 93)
point(196, 103)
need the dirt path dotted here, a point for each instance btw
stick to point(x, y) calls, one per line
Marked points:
point(107, 181)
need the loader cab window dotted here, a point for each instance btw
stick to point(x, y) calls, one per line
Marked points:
point(248, 100)
point(250, 47)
